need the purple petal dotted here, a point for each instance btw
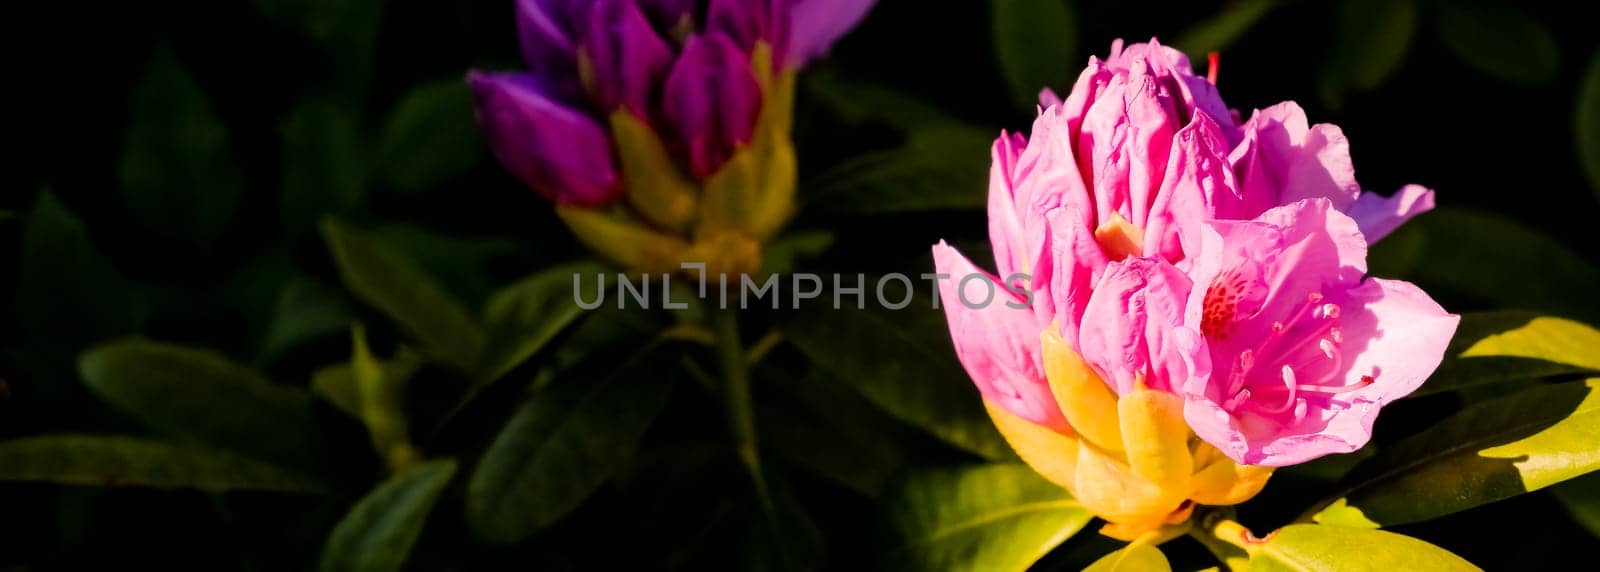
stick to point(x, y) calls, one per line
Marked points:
point(817, 24)
point(712, 101)
point(628, 59)
point(558, 151)
point(749, 21)
point(547, 33)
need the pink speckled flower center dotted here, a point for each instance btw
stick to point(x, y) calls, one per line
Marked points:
point(1301, 355)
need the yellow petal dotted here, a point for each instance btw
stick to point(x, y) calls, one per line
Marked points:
point(1220, 481)
point(614, 235)
point(1110, 489)
point(655, 185)
point(1051, 454)
point(1156, 438)
point(1088, 403)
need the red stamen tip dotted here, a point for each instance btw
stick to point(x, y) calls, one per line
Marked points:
point(1211, 74)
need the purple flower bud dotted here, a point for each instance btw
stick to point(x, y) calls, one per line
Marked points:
point(816, 24)
point(627, 58)
point(560, 152)
point(712, 100)
point(547, 33)
point(749, 21)
point(666, 14)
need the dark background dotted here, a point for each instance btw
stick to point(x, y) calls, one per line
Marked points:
point(1484, 143)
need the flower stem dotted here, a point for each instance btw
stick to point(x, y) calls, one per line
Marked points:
point(736, 394)
point(1228, 540)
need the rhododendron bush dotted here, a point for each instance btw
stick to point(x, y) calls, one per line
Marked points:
point(803, 285)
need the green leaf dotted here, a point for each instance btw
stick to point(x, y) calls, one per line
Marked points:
point(460, 262)
point(1500, 40)
point(336, 383)
point(1136, 557)
point(1372, 39)
point(944, 167)
point(1586, 129)
point(91, 460)
point(859, 101)
point(382, 403)
point(990, 517)
point(324, 163)
point(805, 420)
point(1491, 450)
point(306, 310)
point(524, 317)
point(1484, 259)
point(68, 294)
point(176, 172)
point(1216, 33)
point(1036, 43)
point(378, 532)
point(903, 362)
point(569, 439)
point(401, 290)
point(346, 30)
point(197, 394)
point(1496, 347)
point(1581, 497)
point(430, 137)
point(1310, 548)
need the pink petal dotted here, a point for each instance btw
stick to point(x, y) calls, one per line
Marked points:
point(997, 344)
point(1379, 215)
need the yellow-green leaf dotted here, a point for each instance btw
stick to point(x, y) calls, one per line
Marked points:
point(1315, 548)
point(1494, 347)
point(1136, 557)
point(112, 461)
point(378, 532)
point(989, 518)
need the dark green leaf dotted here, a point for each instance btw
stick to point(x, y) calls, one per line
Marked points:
point(324, 165)
point(430, 137)
point(569, 439)
point(1312, 548)
point(1216, 33)
point(1500, 40)
point(176, 172)
point(525, 316)
point(1587, 126)
point(1486, 259)
point(827, 429)
point(68, 294)
point(406, 294)
point(944, 167)
point(859, 101)
point(378, 532)
point(990, 517)
point(903, 362)
point(124, 461)
point(458, 261)
point(1495, 347)
point(198, 395)
point(1137, 557)
point(1372, 39)
point(1489, 451)
point(1581, 497)
point(306, 310)
point(1035, 41)
point(346, 30)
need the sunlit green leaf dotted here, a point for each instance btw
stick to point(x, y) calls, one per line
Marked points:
point(1035, 41)
point(378, 532)
point(430, 137)
point(1499, 39)
point(91, 460)
point(1489, 451)
point(903, 362)
point(176, 172)
point(1493, 347)
point(1137, 557)
point(1313, 548)
point(406, 294)
point(989, 518)
point(197, 394)
point(943, 167)
point(563, 444)
point(1372, 38)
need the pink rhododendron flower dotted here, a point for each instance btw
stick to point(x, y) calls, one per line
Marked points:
point(1305, 348)
point(1175, 260)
